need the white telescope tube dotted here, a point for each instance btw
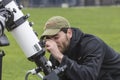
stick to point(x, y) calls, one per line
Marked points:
point(24, 34)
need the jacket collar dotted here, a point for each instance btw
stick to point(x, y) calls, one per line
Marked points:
point(76, 37)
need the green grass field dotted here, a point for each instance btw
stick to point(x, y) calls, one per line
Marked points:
point(100, 21)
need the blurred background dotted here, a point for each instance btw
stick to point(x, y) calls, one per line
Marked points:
point(98, 17)
point(66, 3)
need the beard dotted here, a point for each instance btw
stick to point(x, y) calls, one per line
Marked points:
point(65, 45)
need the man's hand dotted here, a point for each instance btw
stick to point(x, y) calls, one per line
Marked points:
point(52, 47)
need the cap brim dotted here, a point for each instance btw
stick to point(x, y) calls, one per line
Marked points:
point(50, 32)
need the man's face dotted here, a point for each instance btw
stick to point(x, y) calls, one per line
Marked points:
point(62, 40)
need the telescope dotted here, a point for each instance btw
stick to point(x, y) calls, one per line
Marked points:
point(14, 21)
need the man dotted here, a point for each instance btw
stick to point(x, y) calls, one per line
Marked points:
point(87, 57)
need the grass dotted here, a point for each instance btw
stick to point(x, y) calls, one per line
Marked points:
point(103, 22)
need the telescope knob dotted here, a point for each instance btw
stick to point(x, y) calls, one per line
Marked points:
point(31, 24)
point(14, 10)
point(27, 16)
point(20, 7)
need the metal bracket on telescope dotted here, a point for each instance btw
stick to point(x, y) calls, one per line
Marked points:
point(34, 72)
point(17, 23)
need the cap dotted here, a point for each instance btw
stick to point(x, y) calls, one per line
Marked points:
point(54, 25)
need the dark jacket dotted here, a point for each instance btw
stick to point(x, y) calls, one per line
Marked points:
point(89, 58)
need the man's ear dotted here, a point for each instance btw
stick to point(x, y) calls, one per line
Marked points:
point(69, 33)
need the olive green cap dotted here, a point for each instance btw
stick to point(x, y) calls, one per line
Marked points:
point(54, 25)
